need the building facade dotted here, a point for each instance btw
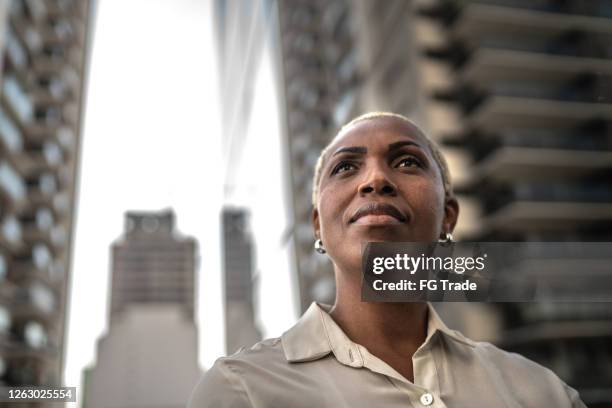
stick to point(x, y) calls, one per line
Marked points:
point(43, 55)
point(149, 355)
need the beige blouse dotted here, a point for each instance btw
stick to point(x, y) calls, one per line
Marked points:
point(314, 364)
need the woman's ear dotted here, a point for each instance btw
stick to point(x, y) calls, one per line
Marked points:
point(315, 223)
point(451, 214)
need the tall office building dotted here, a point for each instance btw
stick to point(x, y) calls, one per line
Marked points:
point(153, 264)
point(519, 94)
point(242, 31)
point(149, 355)
point(43, 54)
point(238, 264)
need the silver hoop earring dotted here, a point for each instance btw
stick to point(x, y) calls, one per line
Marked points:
point(447, 240)
point(318, 246)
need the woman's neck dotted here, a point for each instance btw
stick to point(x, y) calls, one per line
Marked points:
point(391, 331)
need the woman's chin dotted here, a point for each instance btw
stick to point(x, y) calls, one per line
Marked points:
point(382, 233)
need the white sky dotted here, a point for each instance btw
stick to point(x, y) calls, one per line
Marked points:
point(151, 141)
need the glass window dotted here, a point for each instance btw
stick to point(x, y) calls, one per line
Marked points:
point(344, 107)
point(3, 268)
point(11, 136)
point(47, 183)
point(5, 319)
point(37, 8)
point(33, 39)
point(53, 153)
point(61, 203)
point(57, 87)
point(348, 66)
point(58, 235)
point(65, 136)
point(15, 49)
point(16, 8)
point(42, 297)
point(12, 182)
point(44, 219)
point(62, 29)
point(35, 335)
point(41, 256)
point(18, 98)
point(11, 229)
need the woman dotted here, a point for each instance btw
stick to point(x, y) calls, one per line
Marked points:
point(380, 179)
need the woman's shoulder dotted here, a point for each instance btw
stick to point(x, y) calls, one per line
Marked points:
point(223, 384)
point(525, 376)
point(262, 352)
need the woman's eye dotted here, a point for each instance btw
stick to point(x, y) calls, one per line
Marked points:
point(409, 162)
point(343, 167)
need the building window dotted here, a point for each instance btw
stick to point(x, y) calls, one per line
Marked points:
point(15, 50)
point(34, 334)
point(42, 297)
point(18, 99)
point(5, 320)
point(41, 256)
point(11, 137)
point(12, 182)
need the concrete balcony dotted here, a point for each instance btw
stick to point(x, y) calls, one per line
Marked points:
point(487, 65)
point(46, 159)
point(49, 64)
point(37, 302)
point(509, 164)
point(41, 189)
point(24, 272)
point(34, 234)
point(62, 33)
point(515, 112)
point(478, 20)
point(16, 350)
point(553, 216)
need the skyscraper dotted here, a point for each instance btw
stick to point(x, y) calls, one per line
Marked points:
point(238, 264)
point(44, 48)
point(152, 264)
point(149, 355)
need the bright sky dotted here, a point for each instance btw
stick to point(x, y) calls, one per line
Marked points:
point(151, 141)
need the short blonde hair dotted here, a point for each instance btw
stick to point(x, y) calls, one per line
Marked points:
point(433, 147)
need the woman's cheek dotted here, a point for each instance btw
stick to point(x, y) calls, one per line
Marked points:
point(432, 208)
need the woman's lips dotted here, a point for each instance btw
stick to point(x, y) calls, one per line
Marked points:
point(377, 219)
point(377, 213)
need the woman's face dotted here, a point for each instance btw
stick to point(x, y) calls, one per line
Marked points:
point(380, 183)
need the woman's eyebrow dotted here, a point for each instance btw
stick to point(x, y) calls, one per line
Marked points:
point(397, 145)
point(352, 149)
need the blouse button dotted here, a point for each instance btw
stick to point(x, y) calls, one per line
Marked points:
point(427, 399)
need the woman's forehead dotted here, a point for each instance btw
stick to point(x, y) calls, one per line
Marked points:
point(377, 131)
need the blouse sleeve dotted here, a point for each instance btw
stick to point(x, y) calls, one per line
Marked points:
point(574, 397)
point(220, 387)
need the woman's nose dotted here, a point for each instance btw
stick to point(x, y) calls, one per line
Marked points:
point(377, 183)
